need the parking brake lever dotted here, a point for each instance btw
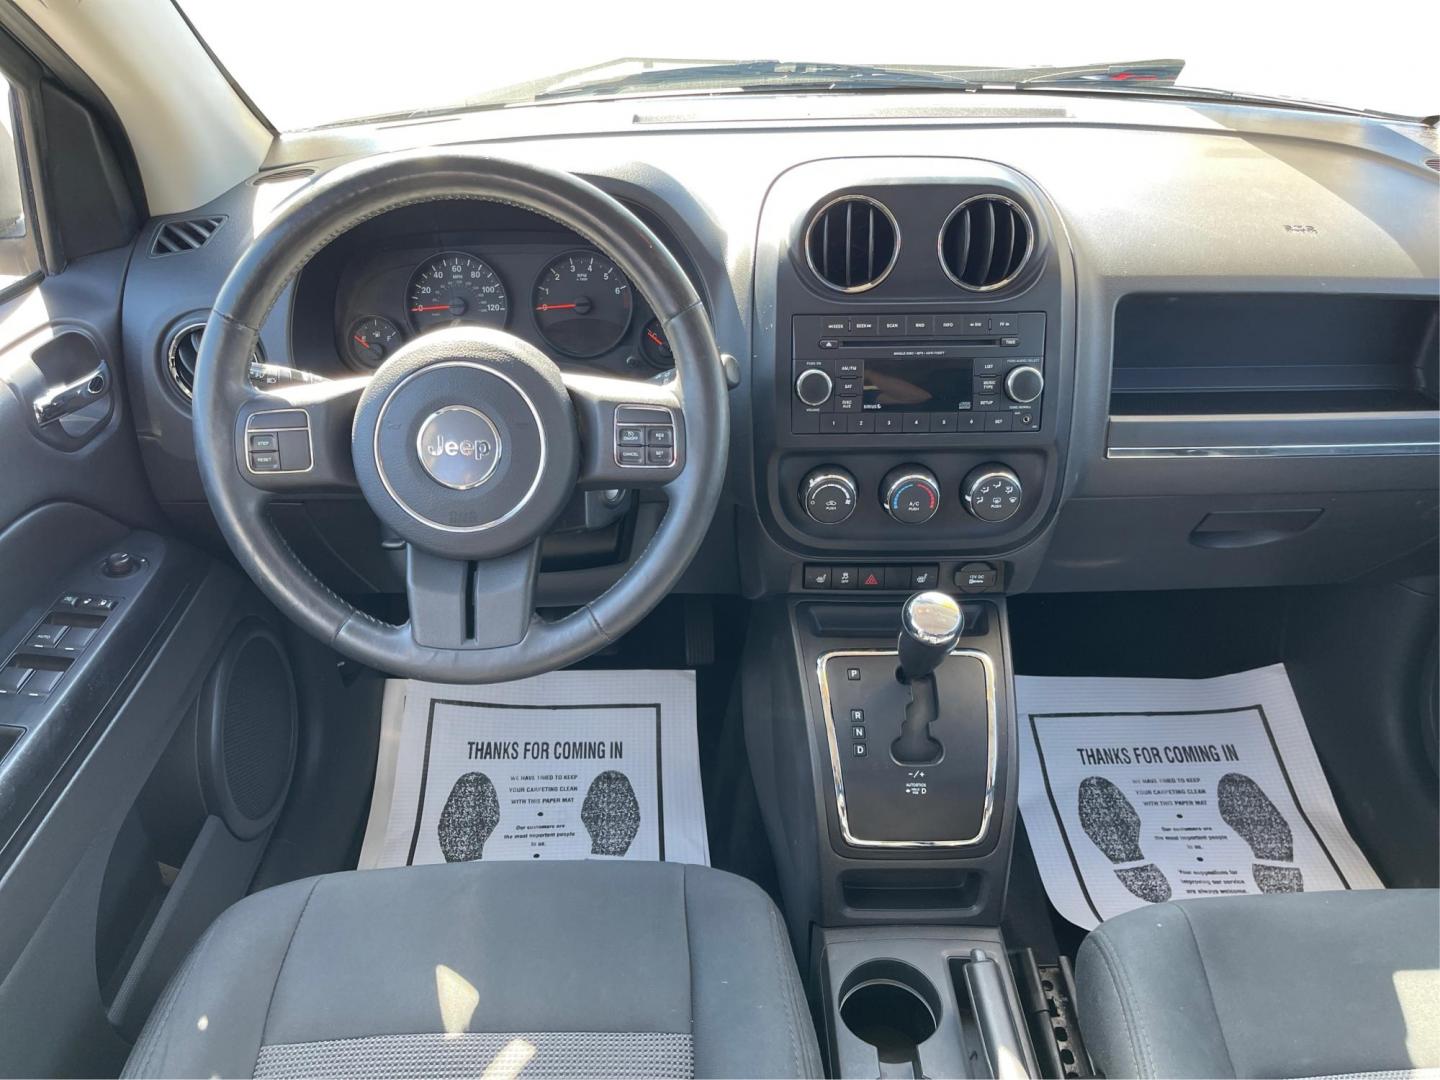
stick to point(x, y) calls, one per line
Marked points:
point(930, 625)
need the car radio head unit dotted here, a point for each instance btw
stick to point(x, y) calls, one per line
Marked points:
point(918, 373)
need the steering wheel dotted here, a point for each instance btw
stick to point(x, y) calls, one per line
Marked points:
point(466, 442)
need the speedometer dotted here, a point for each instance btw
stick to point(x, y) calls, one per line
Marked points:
point(454, 287)
point(583, 304)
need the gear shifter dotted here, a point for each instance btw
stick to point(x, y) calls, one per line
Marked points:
point(930, 625)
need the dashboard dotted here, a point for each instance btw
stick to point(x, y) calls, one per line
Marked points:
point(1081, 345)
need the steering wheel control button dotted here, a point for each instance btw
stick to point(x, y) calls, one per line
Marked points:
point(977, 577)
point(648, 431)
point(278, 441)
point(992, 493)
point(911, 495)
point(459, 447)
point(828, 495)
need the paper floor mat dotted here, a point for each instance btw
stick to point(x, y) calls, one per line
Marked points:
point(569, 765)
point(1135, 791)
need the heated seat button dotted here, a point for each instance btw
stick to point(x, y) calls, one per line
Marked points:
point(924, 577)
point(817, 577)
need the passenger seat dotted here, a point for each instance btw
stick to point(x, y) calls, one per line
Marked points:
point(1327, 984)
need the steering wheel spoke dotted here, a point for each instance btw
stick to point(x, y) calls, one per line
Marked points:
point(464, 604)
point(298, 440)
point(632, 434)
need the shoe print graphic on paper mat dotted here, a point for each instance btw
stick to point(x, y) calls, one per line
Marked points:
point(611, 813)
point(470, 815)
point(1249, 811)
point(1113, 826)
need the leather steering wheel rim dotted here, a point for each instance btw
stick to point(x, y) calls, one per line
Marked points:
point(352, 194)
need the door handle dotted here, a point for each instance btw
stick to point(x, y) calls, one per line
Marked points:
point(63, 400)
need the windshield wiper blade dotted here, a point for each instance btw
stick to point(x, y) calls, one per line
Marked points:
point(758, 75)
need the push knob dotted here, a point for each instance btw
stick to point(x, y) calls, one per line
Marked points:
point(813, 386)
point(1024, 384)
point(911, 494)
point(828, 495)
point(992, 493)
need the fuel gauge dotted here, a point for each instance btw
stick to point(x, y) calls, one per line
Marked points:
point(656, 347)
point(371, 339)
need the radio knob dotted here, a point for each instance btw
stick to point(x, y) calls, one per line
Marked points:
point(828, 495)
point(992, 493)
point(1024, 384)
point(911, 494)
point(813, 386)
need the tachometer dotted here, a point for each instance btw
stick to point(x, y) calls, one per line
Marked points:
point(454, 287)
point(583, 304)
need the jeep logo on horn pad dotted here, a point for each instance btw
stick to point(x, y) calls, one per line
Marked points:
point(458, 446)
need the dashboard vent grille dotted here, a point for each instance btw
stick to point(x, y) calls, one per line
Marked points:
point(174, 237)
point(182, 353)
point(851, 243)
point(985, 243)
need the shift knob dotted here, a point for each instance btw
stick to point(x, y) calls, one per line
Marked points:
point(930, 625)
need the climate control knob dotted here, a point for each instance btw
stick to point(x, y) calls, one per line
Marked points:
point(828, 495)
point(992, 493)
point(1024, 384)
point(911, 494)
point(813, 386)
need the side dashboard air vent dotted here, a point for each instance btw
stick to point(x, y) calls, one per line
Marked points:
point(182, 353)
point(985, 243)
point(851, 243)
point(173, 237)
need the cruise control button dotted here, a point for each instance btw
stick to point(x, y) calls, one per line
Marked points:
point(660, 436)
point(630, 436)
point(659, 455)
point(631, 455)
point(817, 577)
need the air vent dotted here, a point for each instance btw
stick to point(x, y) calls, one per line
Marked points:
point(851, 243)
point(183, 351)
point(986, 242)
point(173, 237)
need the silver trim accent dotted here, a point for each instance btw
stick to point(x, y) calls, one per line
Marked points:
point(173, 366)
point(840, 478)
point(1024, 259)
point(385, 480)
point(1289, 450)
point(843, 814)
point(921, 476)
point(829, 386)
point(942, 605)
point(670, 419)
point(1016, 371)
point(894, 255)
point(251, 428)
point(494, 457)
point(975, 479)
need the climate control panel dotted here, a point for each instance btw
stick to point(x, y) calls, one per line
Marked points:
point(911, 494)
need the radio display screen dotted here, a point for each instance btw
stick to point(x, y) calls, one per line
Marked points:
point(918, 384)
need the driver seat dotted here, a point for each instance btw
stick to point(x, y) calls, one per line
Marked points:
point(504, 969)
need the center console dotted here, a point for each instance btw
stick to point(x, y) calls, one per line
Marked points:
point(910, 407)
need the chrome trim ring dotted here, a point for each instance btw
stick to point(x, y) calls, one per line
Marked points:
point(494, 456)
point(385, 480)
point(1024, 260)
point(894, 255)
point(1288, 450)
point(991, 758)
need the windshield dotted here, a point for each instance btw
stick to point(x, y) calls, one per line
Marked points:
point(310, 64)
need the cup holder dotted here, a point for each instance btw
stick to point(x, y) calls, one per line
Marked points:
point(891, 1006)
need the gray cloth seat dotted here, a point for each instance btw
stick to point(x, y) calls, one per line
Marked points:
point(541, 969)
point(1298, 985)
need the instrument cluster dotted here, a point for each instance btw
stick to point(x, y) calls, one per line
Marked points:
point(573, 302)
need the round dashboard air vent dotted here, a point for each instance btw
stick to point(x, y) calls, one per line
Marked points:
point(181, 354)
point(985, 243)
point(851, 243)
